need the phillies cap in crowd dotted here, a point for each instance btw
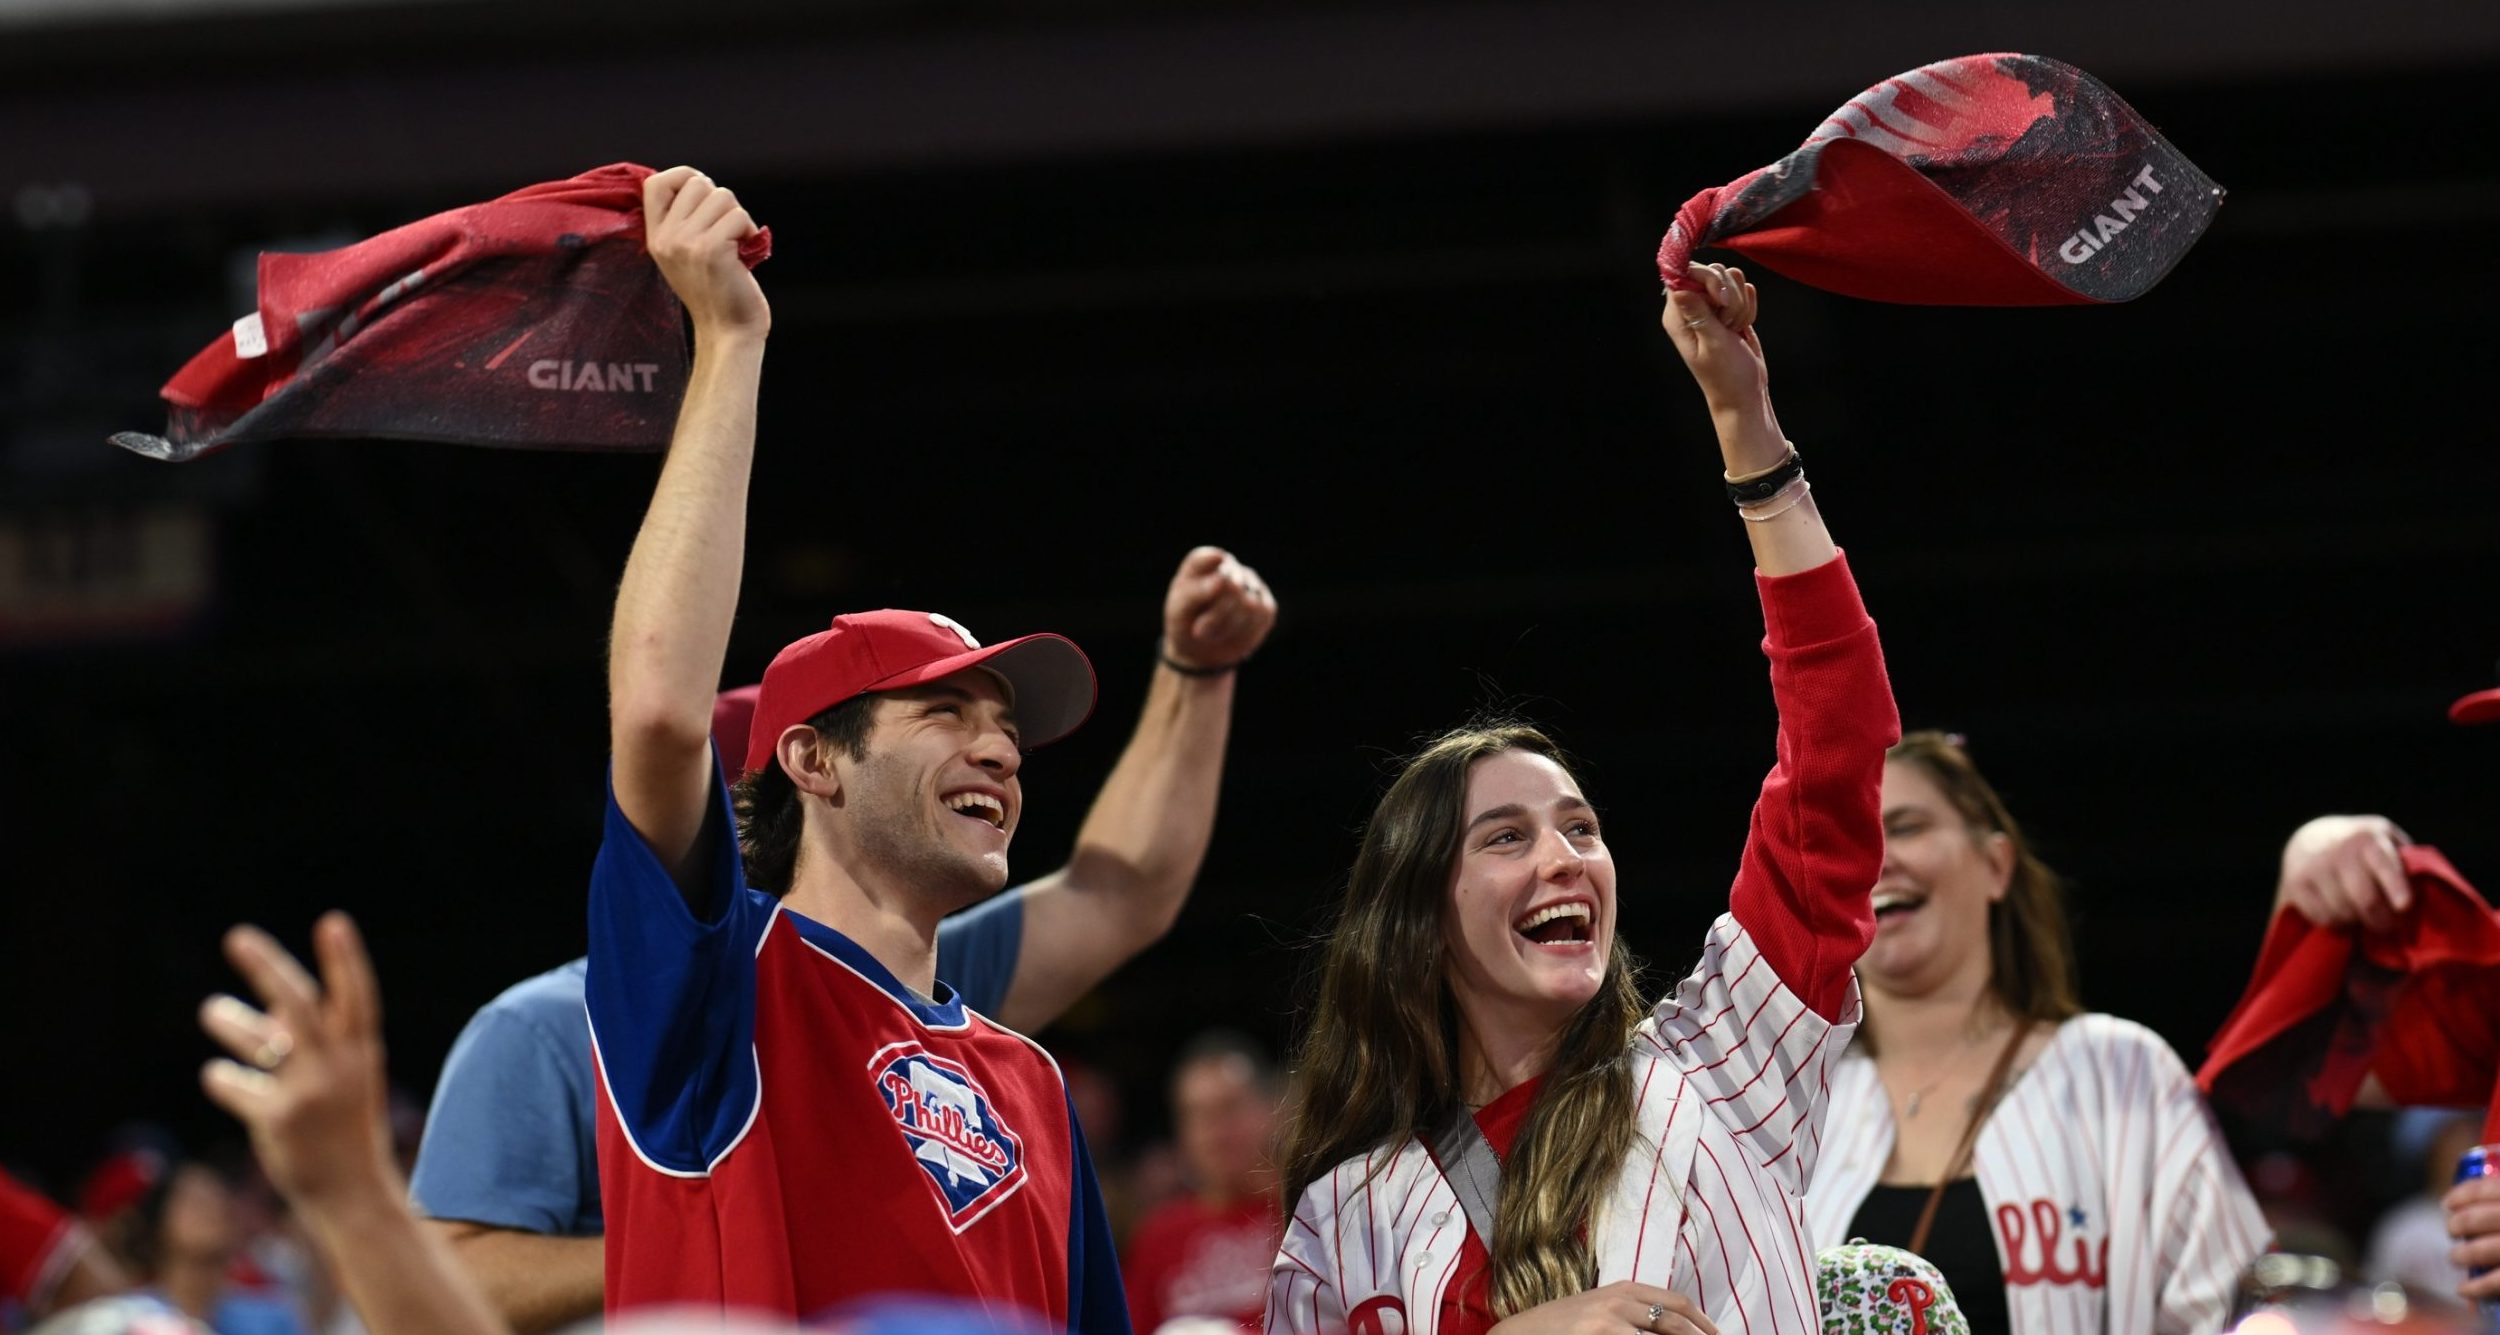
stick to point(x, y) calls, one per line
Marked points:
point(1989, 180)
point(733, 719)
point(2479, 707)
point(122, 1180)
point(536, 320)
point(1869, 1289)
point(889, 650)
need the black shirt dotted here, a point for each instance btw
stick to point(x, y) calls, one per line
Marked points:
point(1962, 1245)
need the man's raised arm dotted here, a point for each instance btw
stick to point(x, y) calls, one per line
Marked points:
point(1141, 844)
point(681, 583)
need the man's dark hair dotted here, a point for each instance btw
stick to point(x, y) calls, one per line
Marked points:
point(767, 803)
point(1217, 1045)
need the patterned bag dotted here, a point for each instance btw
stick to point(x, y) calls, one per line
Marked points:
point(1875, 1290)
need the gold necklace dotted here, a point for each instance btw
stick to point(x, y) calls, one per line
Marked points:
point(1971, 1033)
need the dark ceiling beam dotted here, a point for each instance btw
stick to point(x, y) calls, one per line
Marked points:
point(159, 133)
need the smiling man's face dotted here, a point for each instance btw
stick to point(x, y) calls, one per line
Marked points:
point(935, 801)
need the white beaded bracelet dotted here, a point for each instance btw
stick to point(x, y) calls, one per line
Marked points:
point(1777, 503)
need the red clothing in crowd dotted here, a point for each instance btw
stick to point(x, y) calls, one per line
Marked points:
point(2418, 1005)
point(38, 1244)
point(1192, 1259)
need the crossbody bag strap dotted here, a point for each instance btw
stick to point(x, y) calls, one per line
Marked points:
point(1979, 1111)
point(1472, 1169)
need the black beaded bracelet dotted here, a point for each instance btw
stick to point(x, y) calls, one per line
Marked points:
point(1163, 654)
point(1755, 490)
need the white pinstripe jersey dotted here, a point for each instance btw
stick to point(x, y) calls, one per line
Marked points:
point(2116, 1205)
point(1730, 1074)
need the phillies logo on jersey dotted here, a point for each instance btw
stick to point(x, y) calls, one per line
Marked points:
point(2038, 1249)
point(1383, 1315)
point(972, 1158)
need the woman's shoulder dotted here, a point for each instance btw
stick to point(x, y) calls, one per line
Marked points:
point(2111, 1044)
point(1347, 1183)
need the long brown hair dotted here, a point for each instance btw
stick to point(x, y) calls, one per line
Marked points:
point(1379, 1058)
point(2031, 950)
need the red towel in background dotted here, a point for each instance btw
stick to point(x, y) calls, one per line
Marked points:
point(1990, 180)
point(2419, 1005)
point(536, 320)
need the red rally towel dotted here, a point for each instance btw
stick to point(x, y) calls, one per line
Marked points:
point(1991, 180)
point(2418, 1004)
point(536, 320)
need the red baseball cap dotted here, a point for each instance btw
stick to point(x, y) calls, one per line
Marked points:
point(2479, 707)
point(889, 650)
point(733, 719)
point(120, 1182)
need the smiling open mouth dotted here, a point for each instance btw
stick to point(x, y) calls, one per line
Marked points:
point(978, 806)
point(1556, 925)
point(1892, 904)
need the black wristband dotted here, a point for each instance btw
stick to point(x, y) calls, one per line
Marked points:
point(1163, 654)
point(1754, 491)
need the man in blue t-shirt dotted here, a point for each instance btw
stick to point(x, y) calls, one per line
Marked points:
point(508, 1170)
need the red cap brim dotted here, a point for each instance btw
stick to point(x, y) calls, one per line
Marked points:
point(2480, 707)
point(1052, 679)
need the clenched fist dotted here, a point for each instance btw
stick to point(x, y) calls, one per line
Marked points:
point(1217, 611)
point(2339, 870)
point(693, 230)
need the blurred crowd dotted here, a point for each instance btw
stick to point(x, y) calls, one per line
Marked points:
point(1195, 1208)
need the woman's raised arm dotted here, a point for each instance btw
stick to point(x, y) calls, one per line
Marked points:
point(1713, 329)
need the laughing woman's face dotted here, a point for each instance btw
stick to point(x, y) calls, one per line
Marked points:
point(1532, 902)
point(1931, 902)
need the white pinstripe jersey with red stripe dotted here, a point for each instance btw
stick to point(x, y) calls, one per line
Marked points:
point(1730, 1071)
point(2116, 1207)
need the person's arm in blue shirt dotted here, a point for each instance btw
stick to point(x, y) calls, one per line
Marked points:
point(1140, 847)
point(508, 1173)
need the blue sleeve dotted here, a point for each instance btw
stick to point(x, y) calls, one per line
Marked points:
point(977, 949)
point(509, 1141)
point(1097, 1304)
point(672, 995)
point(244, 1314)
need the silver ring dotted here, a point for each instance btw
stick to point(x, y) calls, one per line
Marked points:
point(1656, 1314)
point(273, 1050)
point(1694, 324)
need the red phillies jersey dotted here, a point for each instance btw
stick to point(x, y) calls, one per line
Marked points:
point(784, 1126)
point(1193, 1259)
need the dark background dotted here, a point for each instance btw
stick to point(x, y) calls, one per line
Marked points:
point(1362, 292)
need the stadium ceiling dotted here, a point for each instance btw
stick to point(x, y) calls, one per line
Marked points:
point(152, 103)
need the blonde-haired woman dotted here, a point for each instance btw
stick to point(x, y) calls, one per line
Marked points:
point(1489, 1128)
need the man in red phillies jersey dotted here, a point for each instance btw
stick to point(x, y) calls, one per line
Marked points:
point(795, 1111)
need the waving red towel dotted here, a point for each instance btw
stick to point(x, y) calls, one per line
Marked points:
point(536, 320)
point(1992, 180)
point(2418, 1005)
